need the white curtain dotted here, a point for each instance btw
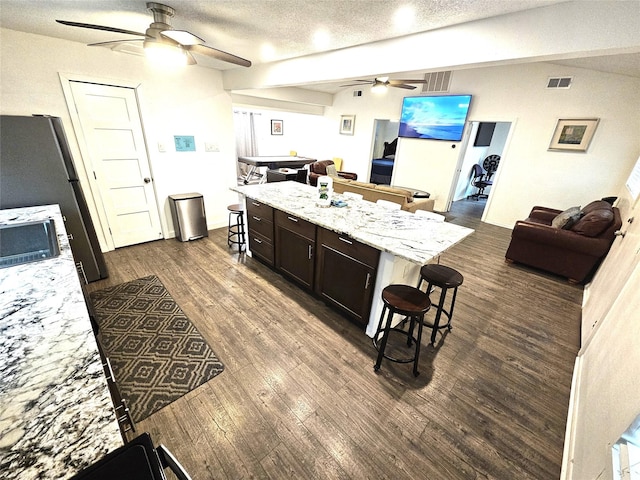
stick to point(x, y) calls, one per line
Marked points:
point(246, 139)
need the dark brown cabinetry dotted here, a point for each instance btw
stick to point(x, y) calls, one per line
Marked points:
point(345, 273)
point(295, 241)
point(260, 226)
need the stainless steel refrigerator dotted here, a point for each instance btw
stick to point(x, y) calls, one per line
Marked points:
point(36, 168)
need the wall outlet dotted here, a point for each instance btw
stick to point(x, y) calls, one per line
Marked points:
point(211, 147)
point(162, 147)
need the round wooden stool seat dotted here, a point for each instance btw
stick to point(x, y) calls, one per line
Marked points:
point(411, 303)
point(444, 278)
point(236, 233)
point(406, 300)
point(441, 275)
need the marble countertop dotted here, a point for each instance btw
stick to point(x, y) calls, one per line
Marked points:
point(56, 414)
point(398, 232)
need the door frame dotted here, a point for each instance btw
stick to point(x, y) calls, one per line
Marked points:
point(465, 144)
point(93, 195)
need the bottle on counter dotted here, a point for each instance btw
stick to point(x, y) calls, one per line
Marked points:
point(325, 191)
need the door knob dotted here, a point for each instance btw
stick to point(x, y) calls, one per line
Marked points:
point(147, 179)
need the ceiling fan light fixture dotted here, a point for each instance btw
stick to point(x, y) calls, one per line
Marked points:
point(183, 37)
point(378, 87)
point(165, 54)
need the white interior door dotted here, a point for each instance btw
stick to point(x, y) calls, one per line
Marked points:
point(117, 160)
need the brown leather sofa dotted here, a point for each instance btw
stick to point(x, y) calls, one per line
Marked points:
point(573, 248)
point(318, 169)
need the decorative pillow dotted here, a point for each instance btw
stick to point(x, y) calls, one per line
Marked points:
point(594, 222)
point(596, 205)
point(563, 218)
point(331, 171)
point(572, 220)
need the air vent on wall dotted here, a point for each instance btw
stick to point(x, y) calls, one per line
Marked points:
point(437, 81)
point(559, 82)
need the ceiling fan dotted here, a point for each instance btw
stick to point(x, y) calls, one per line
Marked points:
point(381, 83)
point(161, 36)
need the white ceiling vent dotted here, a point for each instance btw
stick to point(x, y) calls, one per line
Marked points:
point(559, 82)
point(437, 81)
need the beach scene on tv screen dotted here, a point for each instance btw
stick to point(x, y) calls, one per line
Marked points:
point(435, 118)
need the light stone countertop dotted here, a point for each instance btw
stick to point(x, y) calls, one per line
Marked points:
point(56, 413)
point(398, 232)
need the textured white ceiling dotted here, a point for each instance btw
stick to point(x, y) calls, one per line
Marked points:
point(270, 30)
point(259, 30)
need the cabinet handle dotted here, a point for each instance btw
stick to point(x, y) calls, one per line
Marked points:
point(310, 252)
point(256, 204)
point(257, 240)
point(293, 219)
point(366, 283)
point(257, 219)
point(346, 241)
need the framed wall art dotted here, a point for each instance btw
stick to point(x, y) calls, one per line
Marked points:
point(184, 143)
point(277, 127)
point(573, 134)
point(347, 124)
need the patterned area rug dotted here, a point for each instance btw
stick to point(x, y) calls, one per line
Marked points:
point(156, 353)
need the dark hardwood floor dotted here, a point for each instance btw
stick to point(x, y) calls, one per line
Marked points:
point(299, 398)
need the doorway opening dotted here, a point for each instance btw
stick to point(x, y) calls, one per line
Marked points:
point(385, 139)
point(485, 149)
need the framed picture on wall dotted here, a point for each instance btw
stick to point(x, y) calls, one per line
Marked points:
point(347, 124)
point(277, 127)
point(573, 134)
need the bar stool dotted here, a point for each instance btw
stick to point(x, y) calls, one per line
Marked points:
point(410, 302)
point(236, 226)
point(444, 278)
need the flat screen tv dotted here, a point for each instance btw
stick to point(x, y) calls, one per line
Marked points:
point(440, 117)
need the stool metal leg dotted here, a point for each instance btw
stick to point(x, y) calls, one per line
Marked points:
point(385, 336)
point(418, 341)
point(436, 323)
point(453, 304)
point(241, 231)
point(236, 232)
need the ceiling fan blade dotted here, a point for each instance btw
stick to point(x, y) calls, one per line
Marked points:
point(183, 37)
point(99, 27)
point(402, 85)
point(217, 54)
point(397, 82)
point(115, 42)
point(363, 82)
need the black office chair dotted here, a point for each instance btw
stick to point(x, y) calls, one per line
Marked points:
point(479, 181)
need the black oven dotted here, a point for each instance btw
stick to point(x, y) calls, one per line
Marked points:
point(137, 460)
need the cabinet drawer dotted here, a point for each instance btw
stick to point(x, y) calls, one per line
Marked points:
point(350, 247)
point(261, 247)
point(261, 225)
point(259, 209)
point(295, 224)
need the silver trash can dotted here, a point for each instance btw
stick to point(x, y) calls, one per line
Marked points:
point(189, 219)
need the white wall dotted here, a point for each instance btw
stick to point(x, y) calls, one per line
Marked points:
point(529, 174)
point(302, 133)
point(188, 102)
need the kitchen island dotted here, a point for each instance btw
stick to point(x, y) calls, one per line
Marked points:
point(405, 241)
point(56, 413)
